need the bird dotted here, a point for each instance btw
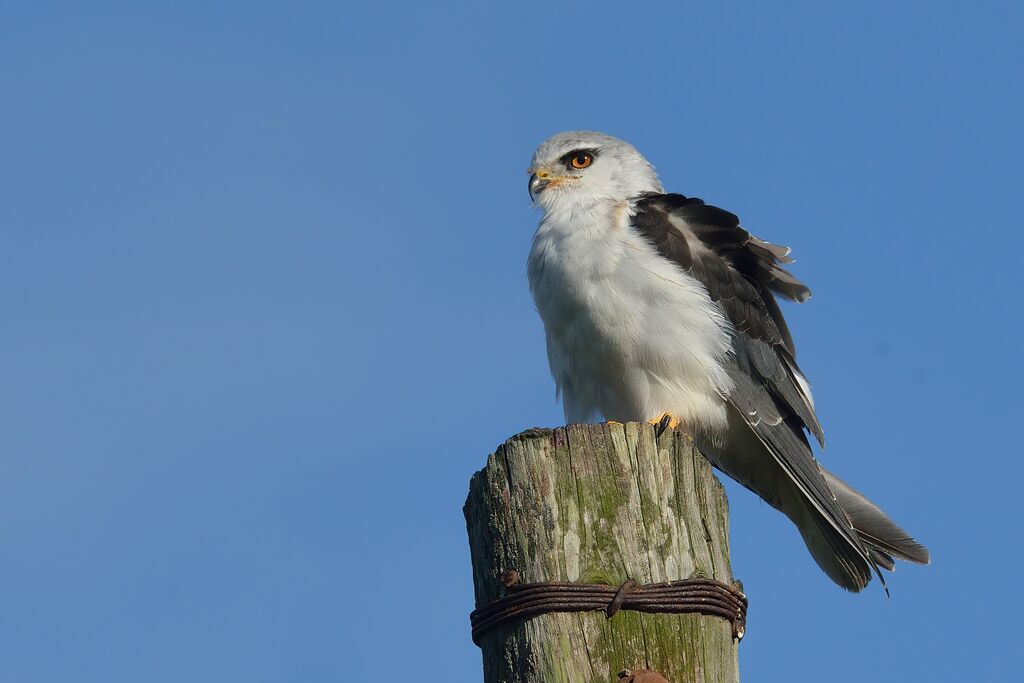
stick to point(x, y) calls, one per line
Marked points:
point(660, 308)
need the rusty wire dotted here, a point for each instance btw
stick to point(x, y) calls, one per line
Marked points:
point(524, 601)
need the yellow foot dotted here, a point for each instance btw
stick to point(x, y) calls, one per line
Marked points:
point(612, 422)
point(667, 419)
point(663, 422)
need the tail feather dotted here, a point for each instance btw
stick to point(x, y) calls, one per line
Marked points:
point(849, 537)
point(846, 564)
point(884, 539)
point(882, 560)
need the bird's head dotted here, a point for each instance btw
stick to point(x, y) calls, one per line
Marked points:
point(581, 168)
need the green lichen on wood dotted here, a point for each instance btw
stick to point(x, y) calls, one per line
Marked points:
point(600, 504)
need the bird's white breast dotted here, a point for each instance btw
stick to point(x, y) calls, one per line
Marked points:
point(630, 334)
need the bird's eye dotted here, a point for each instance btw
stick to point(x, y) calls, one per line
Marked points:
point(581, 160)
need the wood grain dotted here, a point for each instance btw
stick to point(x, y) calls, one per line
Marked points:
point(600, 504)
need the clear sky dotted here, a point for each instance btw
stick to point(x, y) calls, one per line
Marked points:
point(265, 312)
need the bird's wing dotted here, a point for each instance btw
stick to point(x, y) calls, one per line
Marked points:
point(740, 273)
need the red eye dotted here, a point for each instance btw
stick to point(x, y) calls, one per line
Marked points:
point(582, 160)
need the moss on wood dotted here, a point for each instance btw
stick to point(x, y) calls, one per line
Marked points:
point(600, 504)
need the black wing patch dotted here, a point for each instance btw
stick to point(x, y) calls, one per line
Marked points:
point(740, 272)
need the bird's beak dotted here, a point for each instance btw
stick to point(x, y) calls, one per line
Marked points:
point(538, 181)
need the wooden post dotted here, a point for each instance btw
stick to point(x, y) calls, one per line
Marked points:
point(600, 504)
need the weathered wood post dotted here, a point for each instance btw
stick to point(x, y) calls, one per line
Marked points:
point(600, 504)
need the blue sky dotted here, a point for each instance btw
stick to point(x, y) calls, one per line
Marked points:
point(265, 312)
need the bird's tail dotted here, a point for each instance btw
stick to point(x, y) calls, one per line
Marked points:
point(848, 559)
point(884, 540)
point(849, 537)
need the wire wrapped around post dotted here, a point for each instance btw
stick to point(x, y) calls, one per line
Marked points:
point(696, 595)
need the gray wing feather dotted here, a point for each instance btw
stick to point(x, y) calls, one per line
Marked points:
point(784, 439)
point(741, 273)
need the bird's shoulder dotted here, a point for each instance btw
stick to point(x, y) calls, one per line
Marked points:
point(739, 270)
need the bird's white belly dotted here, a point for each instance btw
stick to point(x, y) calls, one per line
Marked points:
point(630, 335)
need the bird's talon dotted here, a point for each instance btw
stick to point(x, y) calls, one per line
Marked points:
point(663, 422)
point(663, 425)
